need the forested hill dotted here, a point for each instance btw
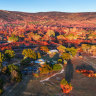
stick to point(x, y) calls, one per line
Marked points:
point(81, 19)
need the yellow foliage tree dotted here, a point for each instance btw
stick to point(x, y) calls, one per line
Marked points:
point(29, 53)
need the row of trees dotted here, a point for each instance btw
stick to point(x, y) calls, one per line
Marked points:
point(29, 34)
point(90, 49)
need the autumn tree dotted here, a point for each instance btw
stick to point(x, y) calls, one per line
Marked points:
point(44, 49)
point(15, 73)
point(13, 38)
point(36, 37)
point(66, 56)
point(72, 51)
point(1, 59)
point(50, 33)
point(9, 54)
point(85, 47)
point(33, 36)
point(60, 38)
point(29, 53)
point(61, 48)
point(38, 55)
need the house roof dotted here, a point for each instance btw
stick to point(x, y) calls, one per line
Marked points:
point(40, 61)
point(52, 51)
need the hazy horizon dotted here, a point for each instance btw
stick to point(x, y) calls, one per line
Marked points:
point(47, 11)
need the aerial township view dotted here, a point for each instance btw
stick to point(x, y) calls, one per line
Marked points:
point(47, 48)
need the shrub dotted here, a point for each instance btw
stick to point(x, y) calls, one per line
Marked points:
point(15, 73)
point(59, 60)
point(66, 87)
point(57, 67)
point(45, 70)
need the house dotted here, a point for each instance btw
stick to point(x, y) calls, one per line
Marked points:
point(52, 51)
point(40, 62)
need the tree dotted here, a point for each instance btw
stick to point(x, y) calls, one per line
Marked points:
point(70, 36)
point(9, 54)
point(50, 33)
point(1, 59)
point(66, 56)
point(38, 55)
point(36, 37)
point(45, 70)
point(66, 86)
point(72, 51)
point(85, 47)
point(61, 48)
point(44, 48)
point(29, 53)
point(60, 38)
point(15, 73)
point(13, 38)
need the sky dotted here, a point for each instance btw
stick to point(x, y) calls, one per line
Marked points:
point(48, 5)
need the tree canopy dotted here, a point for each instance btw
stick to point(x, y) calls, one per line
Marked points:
point(29, 53)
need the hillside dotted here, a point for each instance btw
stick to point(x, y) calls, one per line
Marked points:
point(87, 19)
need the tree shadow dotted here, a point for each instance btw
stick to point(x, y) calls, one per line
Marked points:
point(85, 67)
point(69, 71)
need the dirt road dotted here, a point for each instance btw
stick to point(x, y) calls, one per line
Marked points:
point(82, 85)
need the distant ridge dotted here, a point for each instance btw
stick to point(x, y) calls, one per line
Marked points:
point(21, 15)
point(85, 18)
